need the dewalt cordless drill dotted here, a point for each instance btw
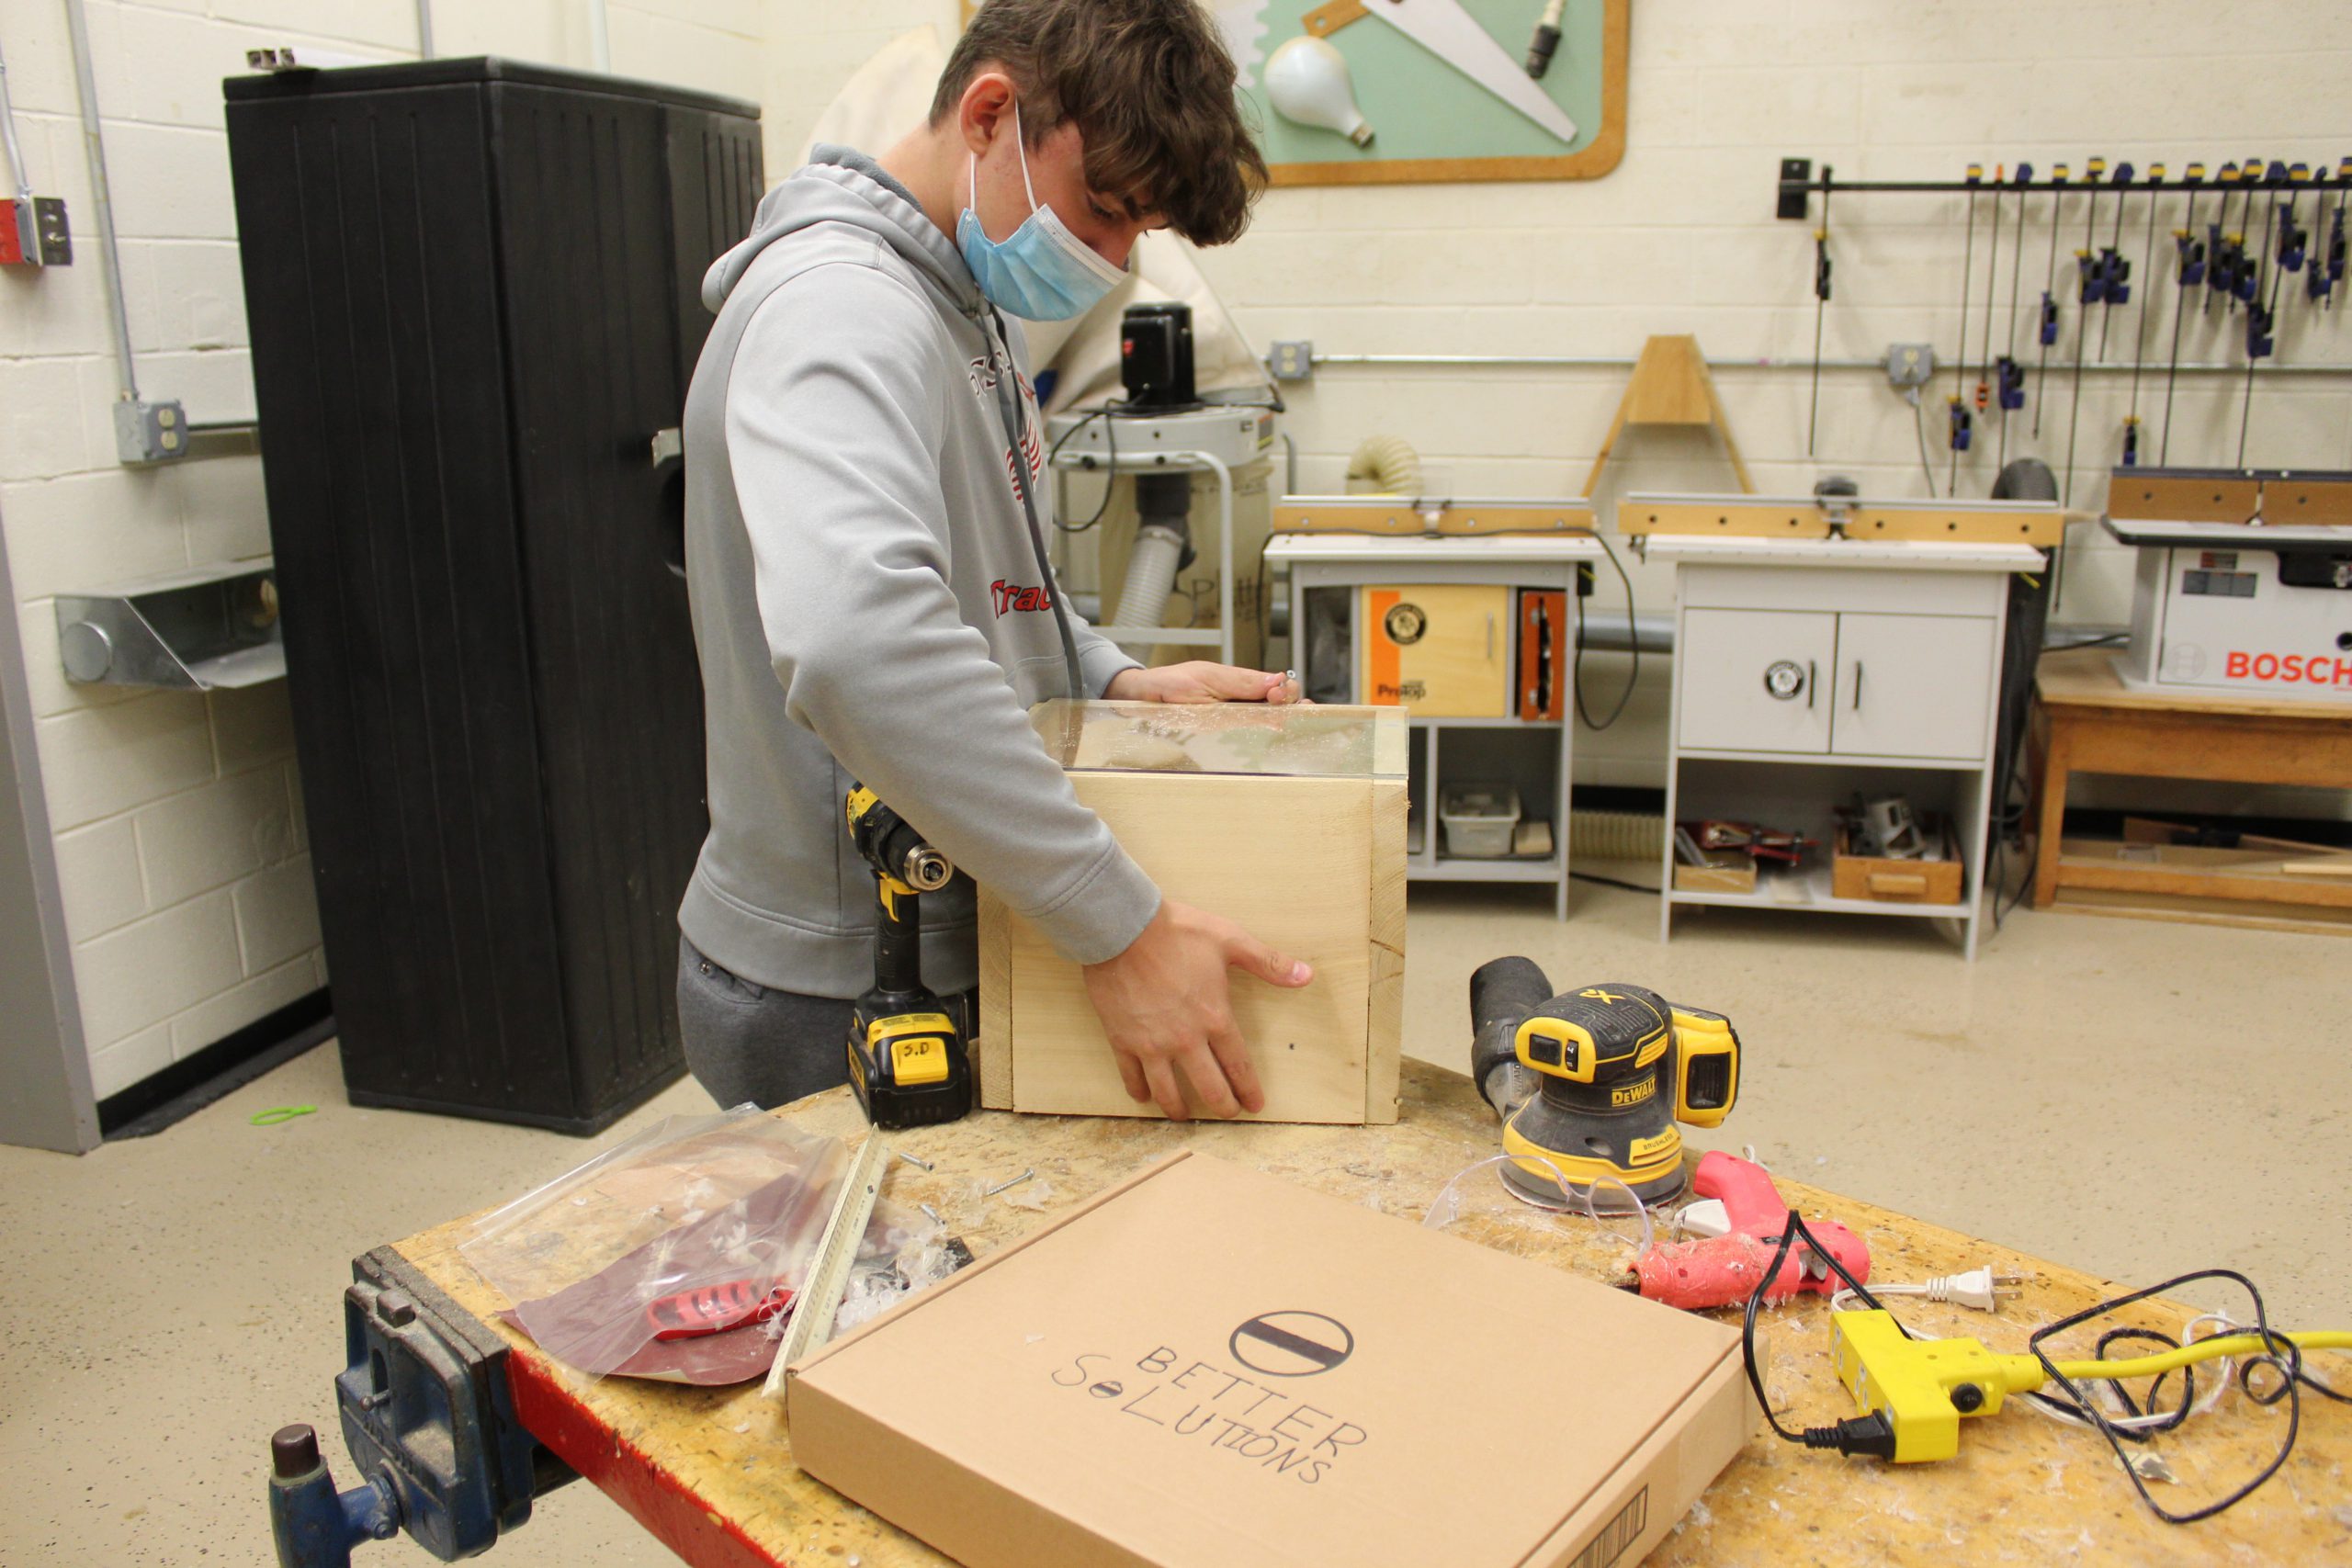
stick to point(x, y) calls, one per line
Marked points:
point(1592, 1081)
point(908, 1059)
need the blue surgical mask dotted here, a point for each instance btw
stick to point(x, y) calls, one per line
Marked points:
point(1043, 273)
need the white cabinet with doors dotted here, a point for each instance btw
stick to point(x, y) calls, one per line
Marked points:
point(1809, 671)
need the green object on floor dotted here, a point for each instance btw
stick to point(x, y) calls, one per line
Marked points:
point(278, 1113)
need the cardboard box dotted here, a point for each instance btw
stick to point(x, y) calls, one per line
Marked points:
point(1210, 1368)
point(1289, 821)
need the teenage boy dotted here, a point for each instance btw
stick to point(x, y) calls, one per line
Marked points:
point(866, 511)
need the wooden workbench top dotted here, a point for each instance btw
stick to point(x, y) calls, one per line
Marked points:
point(711, 1471)
point(2085, 677)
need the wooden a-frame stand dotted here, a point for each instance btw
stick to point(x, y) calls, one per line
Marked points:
point(1670, 386)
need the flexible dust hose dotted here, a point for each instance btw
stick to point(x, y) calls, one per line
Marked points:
point(1162, 537)
point(1151, 576)
point(1384, 465)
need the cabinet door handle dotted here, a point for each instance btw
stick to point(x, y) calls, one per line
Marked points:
point(1490, 636)
point(1809, 683)
point(1858, 685)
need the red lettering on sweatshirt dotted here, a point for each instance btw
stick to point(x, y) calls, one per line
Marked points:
point(1011, 596)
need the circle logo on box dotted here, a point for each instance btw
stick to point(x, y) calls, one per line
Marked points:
point(1405, 623)
point(1292, 1344)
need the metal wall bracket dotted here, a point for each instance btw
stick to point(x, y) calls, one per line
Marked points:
point(213, 628)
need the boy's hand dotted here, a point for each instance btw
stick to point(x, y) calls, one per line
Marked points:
point(1165, 1004)
point(1203, 681)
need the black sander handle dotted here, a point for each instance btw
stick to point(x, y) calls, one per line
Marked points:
point(1506, 988)
point(1502, 993)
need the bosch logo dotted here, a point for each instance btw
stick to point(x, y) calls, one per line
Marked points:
point(1292, 1344)
point(2288, 669)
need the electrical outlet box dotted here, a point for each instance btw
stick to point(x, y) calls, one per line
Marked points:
point(150, 432)
point(1909, 364)
point(1294, 361)
point(35, 234)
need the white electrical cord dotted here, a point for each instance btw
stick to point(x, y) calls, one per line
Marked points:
point(2222, 1324)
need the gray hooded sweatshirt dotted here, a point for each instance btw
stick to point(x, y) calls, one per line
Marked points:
point(869, 601)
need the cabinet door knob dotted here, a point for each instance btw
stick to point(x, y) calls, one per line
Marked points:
point(1858, 685)
point(1809, 683)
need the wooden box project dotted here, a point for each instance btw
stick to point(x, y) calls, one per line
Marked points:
point(1441, 648)
point(1891, 881)
point(1289, 821)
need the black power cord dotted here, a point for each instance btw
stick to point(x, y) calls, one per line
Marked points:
point(1632, 642)
point(2285, 1359)
point(1611, 882)
point(1111, 472)
point(1873, 1435)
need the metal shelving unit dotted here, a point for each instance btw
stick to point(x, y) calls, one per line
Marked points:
point(1349, 560)
point(1760, 593)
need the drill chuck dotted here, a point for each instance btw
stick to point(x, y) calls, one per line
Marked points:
point(925, 869)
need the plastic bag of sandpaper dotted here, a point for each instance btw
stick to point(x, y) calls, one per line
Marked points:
point(677, 1254)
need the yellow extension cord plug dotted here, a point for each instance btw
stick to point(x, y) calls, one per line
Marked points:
point(1913, 1393)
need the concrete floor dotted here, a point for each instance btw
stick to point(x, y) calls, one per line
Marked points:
point(2132, 1097)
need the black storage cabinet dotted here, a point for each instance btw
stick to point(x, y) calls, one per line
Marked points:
point(473, 288)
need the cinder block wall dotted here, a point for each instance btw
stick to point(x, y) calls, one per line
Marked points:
point(1681, 238)
point(178, 826)
point(178, 822)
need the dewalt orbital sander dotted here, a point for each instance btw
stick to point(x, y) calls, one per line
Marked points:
point(1593, 1081)
point(908, 1059)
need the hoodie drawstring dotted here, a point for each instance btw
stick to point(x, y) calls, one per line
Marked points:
point(1009, 388)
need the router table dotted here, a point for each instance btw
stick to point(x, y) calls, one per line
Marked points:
point(709, 1471)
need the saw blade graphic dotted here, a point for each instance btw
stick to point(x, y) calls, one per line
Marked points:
point(1243, 23)
point(1454, 36)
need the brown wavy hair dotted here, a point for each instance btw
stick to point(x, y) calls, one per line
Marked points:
point(1151, 89)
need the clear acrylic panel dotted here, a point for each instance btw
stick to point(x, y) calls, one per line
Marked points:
point(1297, 740)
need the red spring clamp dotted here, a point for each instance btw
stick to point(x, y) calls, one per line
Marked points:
point(715, 1309)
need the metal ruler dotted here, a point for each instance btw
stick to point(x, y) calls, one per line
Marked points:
point(820, 1295)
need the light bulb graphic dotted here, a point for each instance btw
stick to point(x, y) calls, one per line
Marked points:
point(1307, 81)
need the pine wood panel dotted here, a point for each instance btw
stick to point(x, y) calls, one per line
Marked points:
point(1287, 859)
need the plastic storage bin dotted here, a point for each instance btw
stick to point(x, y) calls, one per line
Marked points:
point(1479, 820)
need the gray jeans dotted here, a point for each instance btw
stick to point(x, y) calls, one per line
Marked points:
point(749, 1042)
